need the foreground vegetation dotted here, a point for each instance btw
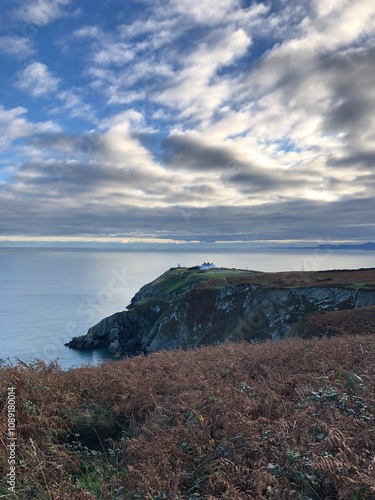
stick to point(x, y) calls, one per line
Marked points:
point(278, 420)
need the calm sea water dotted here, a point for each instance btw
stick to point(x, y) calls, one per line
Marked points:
point(47, 296)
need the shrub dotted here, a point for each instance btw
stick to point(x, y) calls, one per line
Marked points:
point(280, 420)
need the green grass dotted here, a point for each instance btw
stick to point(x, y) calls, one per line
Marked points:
point(180, 277)
point(360, 284)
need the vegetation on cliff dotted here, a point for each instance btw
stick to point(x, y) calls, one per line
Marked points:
point(291, 419)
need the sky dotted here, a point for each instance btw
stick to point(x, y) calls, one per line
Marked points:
point(187, 120)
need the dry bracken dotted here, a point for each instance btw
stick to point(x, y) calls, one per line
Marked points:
point(279, 420)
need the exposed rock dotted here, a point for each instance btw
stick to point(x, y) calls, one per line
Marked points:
point(186, 308)
point(114, 346)
point(114, 333)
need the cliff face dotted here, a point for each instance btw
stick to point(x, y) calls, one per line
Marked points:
point(188, 308)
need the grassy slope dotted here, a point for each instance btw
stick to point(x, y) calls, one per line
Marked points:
point(291, 419)
point(179, 278)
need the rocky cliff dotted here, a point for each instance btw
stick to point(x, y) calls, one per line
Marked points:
point(187, 308)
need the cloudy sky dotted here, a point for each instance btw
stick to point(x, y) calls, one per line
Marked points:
point(190, 120)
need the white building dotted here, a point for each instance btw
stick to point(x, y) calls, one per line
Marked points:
point(207, 265)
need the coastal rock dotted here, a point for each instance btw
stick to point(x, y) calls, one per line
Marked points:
point(186, 308)
point(114, 346)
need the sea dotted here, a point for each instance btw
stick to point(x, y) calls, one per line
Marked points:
point(49, 295)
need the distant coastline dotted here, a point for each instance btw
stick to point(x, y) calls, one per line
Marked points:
point(363, 246)
point(186, 246)
point(369, 246)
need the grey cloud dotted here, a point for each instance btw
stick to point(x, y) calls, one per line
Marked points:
point(74, 145)
point(79, 178)
point(182, 152)
point(53, 141)
point(249, 179)
point(347, 113)
point(279, 69)
point(194, 193)
point(343, 102)
point(252, 182)
point(351, 74)
point(354, 159)
point(298, 219)
point(347, 74)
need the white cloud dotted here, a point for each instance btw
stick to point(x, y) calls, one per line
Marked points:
point(157, 27)
point(88, 31)
point(296, 86)
point(37, 80)
point(326, 7)
point(114, 53)
point(287, 101)
point(137, 61)
point(205, 11)
point(338, 23)
point(126, 121)
point(41, 12)
point(221, 50)
point(16, 46)
point(195, 90)
point(14, 125)
point(70, 102)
